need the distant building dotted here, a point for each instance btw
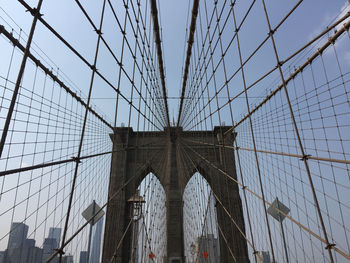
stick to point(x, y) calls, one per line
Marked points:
point(25, 254)
point(96, 243)
point(208, 249)
point(20, 249)
point(18, 235)
point(263, 257)
point(83, 257)
point(49, 246)
point(51, 243)
point(55, 233)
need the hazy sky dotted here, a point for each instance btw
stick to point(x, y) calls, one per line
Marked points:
point(308, 20)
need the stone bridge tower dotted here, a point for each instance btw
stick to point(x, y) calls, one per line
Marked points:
point(136, 154)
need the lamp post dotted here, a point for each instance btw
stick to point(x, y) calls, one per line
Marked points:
point(136, 202)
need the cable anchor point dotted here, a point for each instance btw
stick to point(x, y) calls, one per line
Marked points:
point(305, 157)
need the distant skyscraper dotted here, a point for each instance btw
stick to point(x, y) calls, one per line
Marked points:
point(18, 235)
point(83, 257)
point(208, 249)
point(49, 246)
point(96, 243)
point(51, 243)
point(19, 248)
point(55, 233)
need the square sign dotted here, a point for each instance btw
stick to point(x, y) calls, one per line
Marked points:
point(274, 213)
point(90, 211)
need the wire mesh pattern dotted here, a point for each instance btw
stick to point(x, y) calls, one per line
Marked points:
point(56, 150)
point(247, 66)
point(200, 220)
point(151, 229)
point(290, 114)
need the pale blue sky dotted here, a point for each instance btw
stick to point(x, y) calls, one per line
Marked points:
point(309, 19)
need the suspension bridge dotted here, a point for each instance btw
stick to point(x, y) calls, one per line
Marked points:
point(117, 147)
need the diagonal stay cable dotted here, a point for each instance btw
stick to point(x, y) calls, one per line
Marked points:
point(16, 43)
point(226, 211)
point(115, 194)
point(65, 42)
point(341, 252)
point(36, 14)
point(319, 51)
point(120, 241)
point(328, 29)
point(125, 40)
point(83, 130)
point(73, 159)
point(221, 203)
point(317, 158)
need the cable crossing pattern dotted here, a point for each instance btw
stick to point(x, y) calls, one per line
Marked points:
point(251, 148)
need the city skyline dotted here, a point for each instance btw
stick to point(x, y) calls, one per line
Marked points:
point(21, 249)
